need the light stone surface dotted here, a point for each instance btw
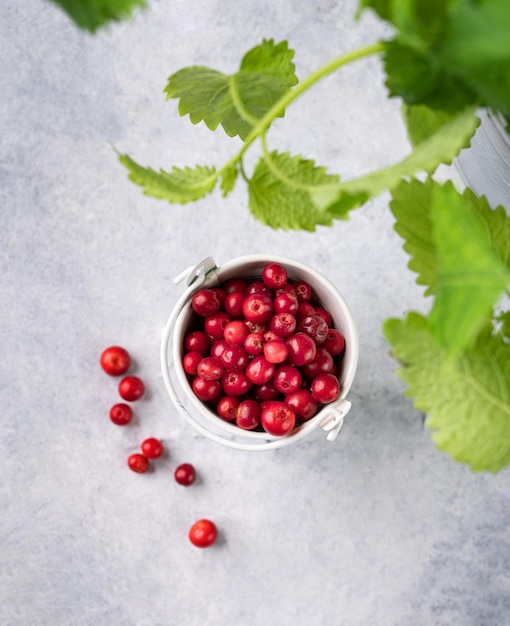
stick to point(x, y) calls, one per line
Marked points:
point(376, 529)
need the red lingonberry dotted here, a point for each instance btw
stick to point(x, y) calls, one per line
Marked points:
point(205, 390)
point(277, 418)
point(334, 342)
point(131, 388)
point(190, 362)
point(325, 388)
point(235, 332)
point(302, 349)
point(274, 275)
point(287, 378)
point(227, 407)
point(258, 307)
point(302, 403)
point(248, 414)
point(214, 325)
point(276, 351)
point(259, 370)
point(152, 448)
point(205, 302)
point(185, 474)
point(121, 414)
point(138, 463)
point(210, 368)
point(197, 340)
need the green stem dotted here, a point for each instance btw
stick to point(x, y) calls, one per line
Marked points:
point(277, 109)
point(310, 80)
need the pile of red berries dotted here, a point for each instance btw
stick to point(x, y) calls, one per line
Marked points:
point(263, 354)
point(116, 361)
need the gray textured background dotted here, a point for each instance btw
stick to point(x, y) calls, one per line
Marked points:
point(378, 528)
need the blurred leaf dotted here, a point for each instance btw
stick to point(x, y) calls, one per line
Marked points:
point(93, 14)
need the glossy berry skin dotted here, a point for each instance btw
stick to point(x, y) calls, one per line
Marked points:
point(254, 344)
point(210, 368)
point(218, 347)
point(257, 286)
point(260, 370)
point(115, 361)
point(277, 418)
point(303, 291)
point(315, 326)
point(248, 414)
point(325, 388)
point(258, 307)
point(214, 325)
point(205, 390)
point(285, 303)
point(321, 311)
point(235, 383)
point(197, 341)
point(234, 285)
point(302, 403)
point(283, 324)
point(287, 378)
point(234, 304)
point(152, 448)
point(227, 408)
point(131, 388)
point(190, 362)
point(235, 332)
point(323, 363)
point(121, 414)
point(203, 533)
point(276, 351)
point(234, 358)
point(334, 342)
point(274, 275)
point(302, 349)
point(266, 392)
point(206, 302)
point(138, 463)
point(185, 474)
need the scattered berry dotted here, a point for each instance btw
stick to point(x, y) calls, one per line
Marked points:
point(138, 463)
point(131, 388)
point(203, 533)
point(185, 474)
point(121, 414)
point(115, 361)
point(152, 448)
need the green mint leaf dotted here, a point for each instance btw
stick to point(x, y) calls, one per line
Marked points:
point(228, 180)
point(418, 78)
point(238, 101)
point(467, 401)
point(504, 322)
point(441, 147)
point(421, 121)
point(279, 192)
point(460, 250)
point(410, 205)
point(476, 48)
point(93, 14)
point(381, 7)
point(471, 274)
point(179, 185)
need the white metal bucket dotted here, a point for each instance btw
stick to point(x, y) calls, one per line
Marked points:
point(208, 274)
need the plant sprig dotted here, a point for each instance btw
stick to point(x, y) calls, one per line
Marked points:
point(459, 246)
